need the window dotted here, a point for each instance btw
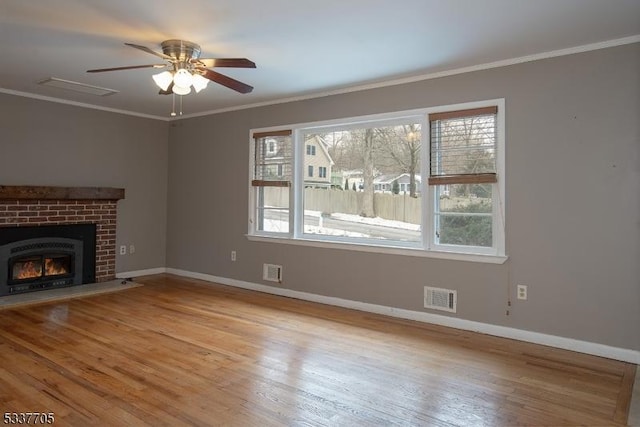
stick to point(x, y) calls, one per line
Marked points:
point(429, 180)
point(371, 152)
point(272, 176)
point(272, 146)
point(463, 174)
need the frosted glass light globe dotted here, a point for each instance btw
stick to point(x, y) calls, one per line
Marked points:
point(183, 78)
point(181, 90)
point(163, 80)
point(199, 82)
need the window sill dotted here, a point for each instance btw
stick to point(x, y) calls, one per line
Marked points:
point(382, 249)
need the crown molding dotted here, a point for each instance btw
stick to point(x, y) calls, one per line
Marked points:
point(81, 104)
point(429, 76)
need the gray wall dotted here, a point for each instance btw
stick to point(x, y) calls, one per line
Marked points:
point(45, 143)
point(572, 200)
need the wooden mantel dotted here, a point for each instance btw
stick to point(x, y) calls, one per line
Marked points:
point(29, 192)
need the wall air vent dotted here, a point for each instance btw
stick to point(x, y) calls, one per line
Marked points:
point(272, 273)
point(77, 87)
point(440, 299)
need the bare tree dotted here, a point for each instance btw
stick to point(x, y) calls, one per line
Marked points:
point(403, 144)
point(470, 136)
point(337, 146)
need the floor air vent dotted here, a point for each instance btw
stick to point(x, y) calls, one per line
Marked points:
point(440, 299)
point(272, 273)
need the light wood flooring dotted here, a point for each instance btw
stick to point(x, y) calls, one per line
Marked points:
point(181, 352)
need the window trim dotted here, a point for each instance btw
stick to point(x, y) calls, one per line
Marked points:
point(378, 249)
point(425, 248)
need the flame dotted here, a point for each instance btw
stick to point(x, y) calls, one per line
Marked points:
point(53, 268)
point(33, 269)
point(30, 269)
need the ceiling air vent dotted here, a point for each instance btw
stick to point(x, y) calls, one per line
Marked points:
point(440, 299)
point(76, 87)
point(272, 273)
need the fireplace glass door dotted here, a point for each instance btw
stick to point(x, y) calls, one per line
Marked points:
point(41, 266)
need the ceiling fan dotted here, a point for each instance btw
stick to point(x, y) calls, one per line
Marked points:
point(186, 68)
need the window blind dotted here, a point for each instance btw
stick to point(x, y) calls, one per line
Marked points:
point(273, 159)
point(463, 146)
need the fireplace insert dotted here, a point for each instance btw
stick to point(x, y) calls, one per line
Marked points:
point(36, 258)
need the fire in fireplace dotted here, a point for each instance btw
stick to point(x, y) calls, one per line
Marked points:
point(35, 267)
point(35, 258)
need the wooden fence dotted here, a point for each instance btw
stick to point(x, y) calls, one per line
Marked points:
point(398, 207)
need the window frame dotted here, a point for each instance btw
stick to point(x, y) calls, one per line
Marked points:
point(258, 185)
point(427, 247)
point(497, 214)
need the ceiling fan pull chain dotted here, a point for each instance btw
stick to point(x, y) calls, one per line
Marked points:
point(173, 108)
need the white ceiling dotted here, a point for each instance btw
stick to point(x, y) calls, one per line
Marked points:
point(301, 47)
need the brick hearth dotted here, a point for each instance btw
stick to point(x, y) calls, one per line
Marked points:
point(47, 211)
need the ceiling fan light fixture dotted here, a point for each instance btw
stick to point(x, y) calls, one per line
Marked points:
point(199, 82)
point(181, 90)
point(163, 80)
point(183, 78)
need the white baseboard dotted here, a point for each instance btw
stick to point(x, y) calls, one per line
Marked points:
point(148, 272)
point(616, 353)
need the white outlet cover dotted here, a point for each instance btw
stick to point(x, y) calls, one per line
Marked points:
point(522, 292)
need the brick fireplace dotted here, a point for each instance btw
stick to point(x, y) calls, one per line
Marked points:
point(28, 206)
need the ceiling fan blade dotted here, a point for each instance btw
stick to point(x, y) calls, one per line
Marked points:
point(146, 49)
point(226, 81)
point(224, 62)
point(130, 67)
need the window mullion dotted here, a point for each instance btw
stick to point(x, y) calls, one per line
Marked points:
point(499, 187)
point(426, 219)
point(297, 214)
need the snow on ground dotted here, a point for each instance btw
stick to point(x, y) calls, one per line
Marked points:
point(312, 229)
point(275, 225)
point(376, 221)
point(283, 226)
point(362, 220)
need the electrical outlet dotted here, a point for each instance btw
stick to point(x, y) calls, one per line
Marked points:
point(123, 249)
point(132, 249)
point(522, 292)
point(233, 255)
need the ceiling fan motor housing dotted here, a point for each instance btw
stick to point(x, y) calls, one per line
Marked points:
point(181, 50)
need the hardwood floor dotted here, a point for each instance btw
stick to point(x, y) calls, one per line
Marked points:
point(180, 352)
